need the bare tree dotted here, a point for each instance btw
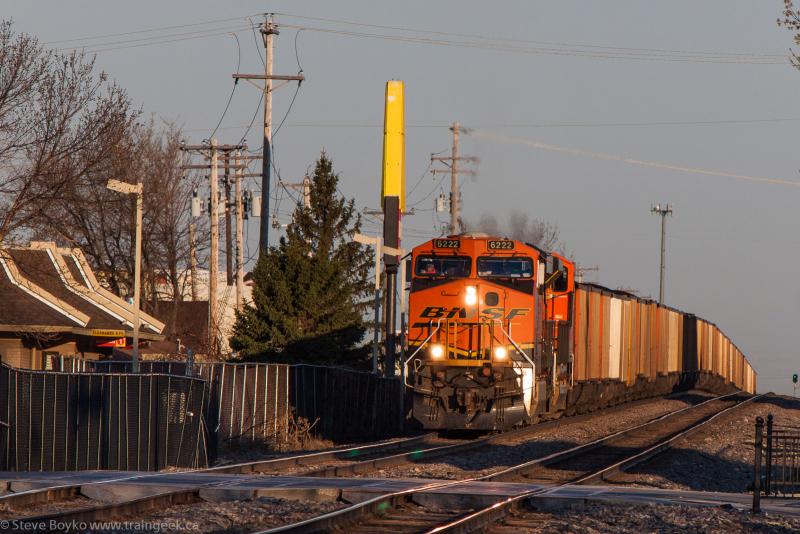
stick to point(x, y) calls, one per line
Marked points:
point(64, 131)
point(59, 122)
point(169, 214)
point(519, 227)
point(791, 21)
point(101, 222)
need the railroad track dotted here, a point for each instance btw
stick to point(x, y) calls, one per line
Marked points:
point(51, 494)
point(412, 511)
point(349, 461)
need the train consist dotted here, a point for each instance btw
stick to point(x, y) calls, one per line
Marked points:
point(500, 334)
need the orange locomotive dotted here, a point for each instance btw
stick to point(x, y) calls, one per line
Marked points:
point(489, 336)
point(500, 334)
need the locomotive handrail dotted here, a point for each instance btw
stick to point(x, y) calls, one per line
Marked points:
point(515, 345)
point(438, 327)
point(405, 363)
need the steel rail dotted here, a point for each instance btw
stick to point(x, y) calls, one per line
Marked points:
point(58, 493)
point(183, 496)
point(65, 491)
point(423, 455)
point(595, 444)
point(352, 514)
point(632, 461)
point(481, 519)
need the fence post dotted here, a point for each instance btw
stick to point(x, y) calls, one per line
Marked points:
point(757, 466)
point(768, 474)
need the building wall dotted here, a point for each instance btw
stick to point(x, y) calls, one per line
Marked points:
point(14, 354)
point(226, 296)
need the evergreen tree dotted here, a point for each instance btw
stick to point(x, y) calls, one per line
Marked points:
point(311, 292)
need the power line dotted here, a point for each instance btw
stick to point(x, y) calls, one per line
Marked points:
point(288, 110)
point(296, 54)
point(543, 125)
point(252, 121)
point(422, 177)
point(154, 40)
point(472, 41)
point(576, 52)
point(631, 161)
point(149, 30)
point(432, 191)
point(253, 27)
point(233, 89)
point(406, 29)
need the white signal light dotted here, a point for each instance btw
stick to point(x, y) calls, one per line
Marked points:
point(471, 297)
point(437, 352)
point(500, 353)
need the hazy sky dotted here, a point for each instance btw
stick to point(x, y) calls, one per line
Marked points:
point(582, 76)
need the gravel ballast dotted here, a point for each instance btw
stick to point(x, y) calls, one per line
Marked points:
point(636, 519)
point(233, 517)
point(518, 450)
point(718, 457)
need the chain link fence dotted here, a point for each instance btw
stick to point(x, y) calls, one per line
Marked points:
point(347, 405)
point(55, 421)
point(265, 403)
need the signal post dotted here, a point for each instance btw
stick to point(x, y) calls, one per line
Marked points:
point(393, 201)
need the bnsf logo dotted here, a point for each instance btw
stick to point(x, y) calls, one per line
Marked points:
point(441, 312)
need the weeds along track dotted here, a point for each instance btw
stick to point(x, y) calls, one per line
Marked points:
point(418, 509)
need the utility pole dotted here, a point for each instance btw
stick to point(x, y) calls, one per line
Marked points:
point(455, 195)
point(304, 187)
point(213, 262)
point(268, 31)
point(239, 233)
point(663, 212)
point(211, 151)
point(228, 222)
point(452, 162)
point(193, 257)
point(580, 272)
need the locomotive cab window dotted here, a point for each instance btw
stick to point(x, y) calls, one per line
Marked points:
point(561, 283)
point(443, 266)
point(505, 267)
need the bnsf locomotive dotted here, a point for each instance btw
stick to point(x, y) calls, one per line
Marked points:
point(501, 335)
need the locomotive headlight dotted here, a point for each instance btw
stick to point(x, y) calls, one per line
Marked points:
point(500, 353)
point(437, 351)
point(471, 298)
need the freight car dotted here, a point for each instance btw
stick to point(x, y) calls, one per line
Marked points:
point(500, 334)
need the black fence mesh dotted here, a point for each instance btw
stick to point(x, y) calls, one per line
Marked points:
point(54, 421)
point(347, 405)
point(258, 402)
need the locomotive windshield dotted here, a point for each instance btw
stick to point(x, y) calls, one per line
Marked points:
point(446, 266)
point(497, 267)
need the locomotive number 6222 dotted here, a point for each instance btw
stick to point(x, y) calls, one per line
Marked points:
point(494, 244)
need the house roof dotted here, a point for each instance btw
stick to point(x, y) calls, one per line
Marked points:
point(46, 288)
